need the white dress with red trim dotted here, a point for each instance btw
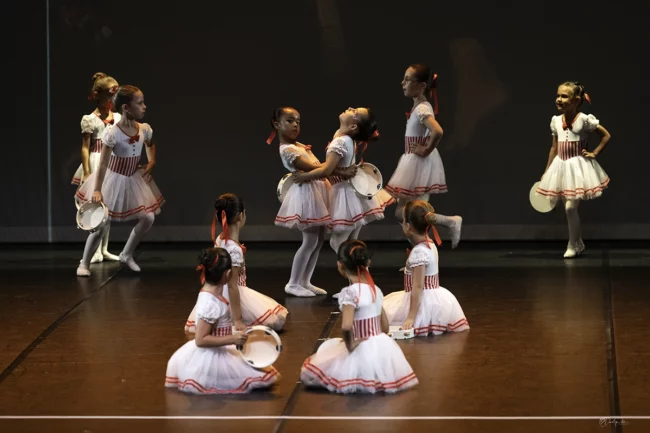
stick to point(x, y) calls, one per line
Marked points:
point(415, 175)
point(377, 364)
point(93, 125)
point(126, 193)
point(571, 175)
point(439, 310)
point(305, 205)
point(256, 308)
point(215, 370)
point(347, 209)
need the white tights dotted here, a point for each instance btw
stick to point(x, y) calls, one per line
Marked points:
point(141, 228)
point(304, 262)
point(573, 219)
point(338, 238)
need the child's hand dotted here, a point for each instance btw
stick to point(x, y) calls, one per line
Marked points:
point(240, 325)
point(589, 155)
point(408, 324)
point(348, 172)
point(239, 338)
point(97, 197)
point(299, 177)
point(418, 149)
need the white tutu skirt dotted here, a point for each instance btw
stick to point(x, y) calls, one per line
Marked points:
point(349, 211)
point(257, 309)
point(215, 370)
point(439, 311)
point(384, 198)
point(375, 365)
point(577, 178)
point(93, 163)
point(305, 206)
point(416, 176)
point(126, 197)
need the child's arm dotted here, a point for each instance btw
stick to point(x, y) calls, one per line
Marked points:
point(434, 139)
point(416, 297)
point(150, 148)
point(347, 326)
point(385, 326)
point(323, 170)
point(551, 154)
point(604, 139)
point(101, 172)
point(204, 338)
point(235, 302)
point(85, 155)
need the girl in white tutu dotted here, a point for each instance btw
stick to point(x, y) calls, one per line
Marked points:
point(249, 308)
point(366, 360)
point(423, 305)
point(305, 207)
point(92, 128)
point(572, 172)
point(210, 363)
point(419, 171)
point(348, 212)
point(119, 183)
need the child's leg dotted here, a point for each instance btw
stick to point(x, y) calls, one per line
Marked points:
point(92, 243)
point(453, 224)
point(141, 228)
point(337, 238)
point(311, 265)
point(310, 238)
point(104, 249)
point(573, 220)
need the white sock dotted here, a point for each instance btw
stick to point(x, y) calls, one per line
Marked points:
point(573, 219)
point(444, 221)
point(138, 232)
point(310, 239)
point(355, 233)
point(313, 258)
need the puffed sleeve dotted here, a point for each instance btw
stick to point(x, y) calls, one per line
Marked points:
point(236, 254)
point(349, 296)
point(289, 154)
point(87, 126)
point(147, 132)
point(553, 127)
point(591, 123)
point(108, 137)
point(418, 257)
point(209, 309)
point(423, 111)
point(339, 146)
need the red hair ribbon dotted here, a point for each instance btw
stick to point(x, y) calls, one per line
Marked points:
point(433, 94)
point(363, 270)
point(587, 98)
point(224, 224)
point(271, 137)
point(202, 269)
point(436, 236)
point(113, 90)
point(213, 229)
point(364, 144)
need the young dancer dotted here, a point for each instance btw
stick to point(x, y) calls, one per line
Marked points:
point(572, 171)
point(248, 307)
point(366, 360)
point(92, 127)
point(420, 171)
point(119, 183)
point(210, 363)
point(423, 305)
point(348, 211)
point(305, 207)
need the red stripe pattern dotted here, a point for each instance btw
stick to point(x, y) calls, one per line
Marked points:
point(335, 179)
point(242, 277)
point(365, 328)
point(124, 165)
point(570, 149)
point(430, 282)
point(408, 140)
point(222, 331)
point(96, 147)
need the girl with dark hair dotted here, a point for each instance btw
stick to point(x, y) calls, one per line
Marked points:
point(420, 171)
point(366, 360)
point(127, 192)
point(210, 363)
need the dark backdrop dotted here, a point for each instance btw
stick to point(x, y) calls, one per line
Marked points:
point(212, 72)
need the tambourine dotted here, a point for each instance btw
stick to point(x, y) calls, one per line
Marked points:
point(368, 181)
point(92, 216)
point(262, 348)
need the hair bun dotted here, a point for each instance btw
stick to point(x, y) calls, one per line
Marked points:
point(359, 255)
point(207, 257)
point(98, 75)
